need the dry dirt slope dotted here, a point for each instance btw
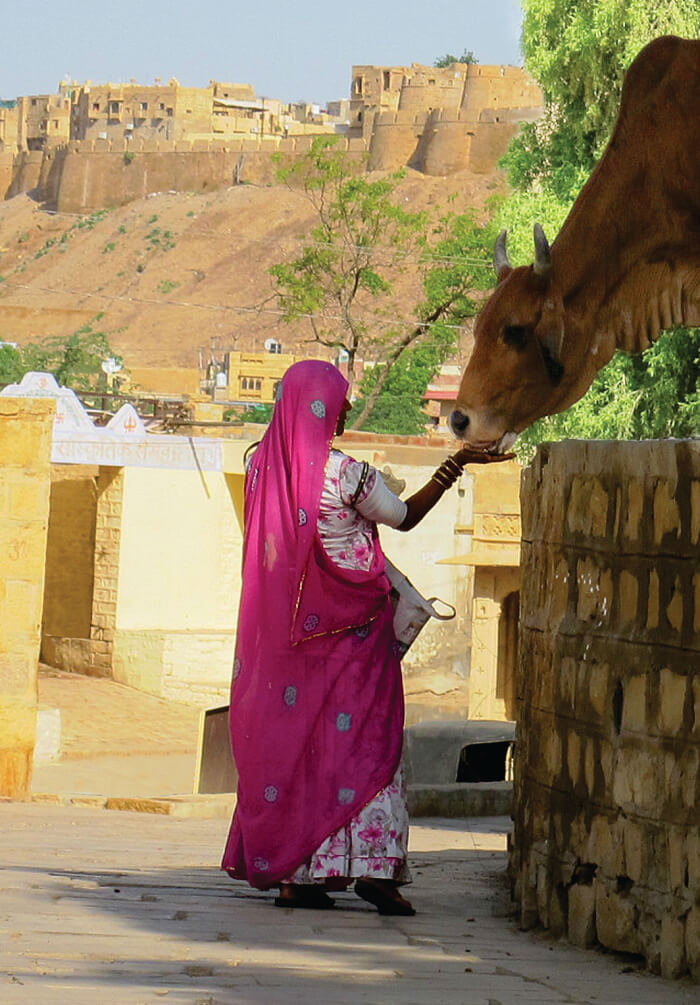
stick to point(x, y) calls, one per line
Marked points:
point(172, 272)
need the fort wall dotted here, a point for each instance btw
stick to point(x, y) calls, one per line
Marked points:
point(606, 845)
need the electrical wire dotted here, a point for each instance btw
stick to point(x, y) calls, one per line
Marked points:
point(223, 308)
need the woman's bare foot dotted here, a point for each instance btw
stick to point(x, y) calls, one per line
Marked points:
point(384, 894)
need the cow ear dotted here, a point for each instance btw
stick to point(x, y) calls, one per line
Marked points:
point(550, 334)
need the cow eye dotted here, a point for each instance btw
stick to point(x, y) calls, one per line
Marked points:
point(515, 336)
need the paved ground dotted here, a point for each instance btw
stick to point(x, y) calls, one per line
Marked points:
point(131, 909)
point(116, 741)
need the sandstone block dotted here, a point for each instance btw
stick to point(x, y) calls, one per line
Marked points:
point(573, 756)
point(634, 844)
point(672, 945)
point(674, 608)
point(694, 511)
point(634, 509)
point(672, 688)
point(616, 920)
point(628, 596)
point(666, 514)
point(634, 705)
point(581, 916)
point(598, 685)
point(692, 940)
point(653, 600)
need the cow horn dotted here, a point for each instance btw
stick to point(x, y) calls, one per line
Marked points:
point(500, 255)
point(543, 261)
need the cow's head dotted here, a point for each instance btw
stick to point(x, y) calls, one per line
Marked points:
point(524, 364)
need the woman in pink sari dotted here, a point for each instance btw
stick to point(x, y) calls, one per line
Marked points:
point(316, 700)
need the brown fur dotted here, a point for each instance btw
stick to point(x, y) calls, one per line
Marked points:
point(625, 265)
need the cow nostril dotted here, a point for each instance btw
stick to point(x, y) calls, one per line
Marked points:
point(459, 421)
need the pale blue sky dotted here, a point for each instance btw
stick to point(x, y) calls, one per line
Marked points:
point(292, 51)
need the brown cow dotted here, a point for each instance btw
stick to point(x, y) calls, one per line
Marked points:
point(626, 263)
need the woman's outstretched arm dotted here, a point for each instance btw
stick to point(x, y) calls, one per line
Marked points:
point(422, 501)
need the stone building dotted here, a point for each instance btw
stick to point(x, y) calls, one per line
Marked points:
point(440, 120)
point(8, 125)
point(43, 120)
point(606, 843)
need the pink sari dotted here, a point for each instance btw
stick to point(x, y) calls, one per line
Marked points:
point(316, 701)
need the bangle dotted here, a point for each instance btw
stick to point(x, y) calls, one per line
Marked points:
point(452, 465)
point(448, 473)
point(442, 478)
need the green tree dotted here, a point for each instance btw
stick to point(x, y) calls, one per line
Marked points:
point(343, 274)
point(75, 361)
point(579, 52)
point(467, 57)
point(398, 408)
point(454, 267)
point(11, 371)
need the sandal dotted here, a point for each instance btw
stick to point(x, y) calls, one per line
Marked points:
point(383, 901)
point(311, 897)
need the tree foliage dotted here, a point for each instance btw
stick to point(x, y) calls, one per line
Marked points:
point(342, 277)
point(75, 360)
point(455, 267)
point(467, 57)
point(342, 282)
point(579, 52)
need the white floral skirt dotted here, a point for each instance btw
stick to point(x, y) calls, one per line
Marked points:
point(373, 844)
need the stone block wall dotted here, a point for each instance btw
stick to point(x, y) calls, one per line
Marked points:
point(25, 443)
point(606, 843)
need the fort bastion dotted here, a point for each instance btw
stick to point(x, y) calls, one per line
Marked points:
point(94, 146)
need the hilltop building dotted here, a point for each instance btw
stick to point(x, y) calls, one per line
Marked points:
point(95, 146)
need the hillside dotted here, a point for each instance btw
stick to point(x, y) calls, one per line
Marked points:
point(177, 273)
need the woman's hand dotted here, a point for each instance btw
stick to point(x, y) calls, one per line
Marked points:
point(470, 455)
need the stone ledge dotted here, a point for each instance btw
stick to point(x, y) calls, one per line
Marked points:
point(464, 799)
point(191, 807)
point(461, 799)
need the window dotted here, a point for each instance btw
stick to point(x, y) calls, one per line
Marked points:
point(95, 106)
point(34, 101)
point(387, 80)
point(244, 383)
point(114, 108)
point(357, 85)
point(258, 384)
point(170, 111)
point(161, 106)
point(55, 123)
